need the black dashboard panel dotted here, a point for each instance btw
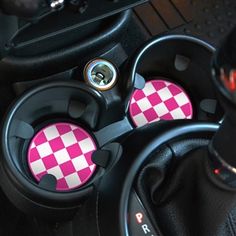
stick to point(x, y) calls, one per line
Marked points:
point(51, 23)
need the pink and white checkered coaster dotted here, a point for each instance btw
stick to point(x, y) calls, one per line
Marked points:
point(63, 150)
point(159, 100)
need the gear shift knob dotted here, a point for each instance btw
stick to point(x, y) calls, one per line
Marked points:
point(224, 72)
point(21, 8)
point(223, 146)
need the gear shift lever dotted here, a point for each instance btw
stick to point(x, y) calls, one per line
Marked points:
point(197, 196)
point(22, 8)
point(223, 148)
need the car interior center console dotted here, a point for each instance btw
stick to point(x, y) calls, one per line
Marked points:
point(106, 132)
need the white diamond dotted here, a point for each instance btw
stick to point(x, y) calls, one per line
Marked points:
point(37, 167)
point(56, 171)
point(144, 104)
point(44, 149)
point(73, 180)
point(62, 156)
point(149, 89)
point(80, 163)
point(140, 120)
point(92, 167)
point(178, 114)
point(161, 109)
point(181, 99)
point(51, 133)
point(86, 145)
point(68, 139)
point(165, 94)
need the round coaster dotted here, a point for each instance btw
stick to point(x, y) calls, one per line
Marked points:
point(159, 100)
point(63, 150)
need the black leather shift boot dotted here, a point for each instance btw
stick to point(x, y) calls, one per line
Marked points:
point(184, 198)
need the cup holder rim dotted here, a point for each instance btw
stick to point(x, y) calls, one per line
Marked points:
point(134, 62)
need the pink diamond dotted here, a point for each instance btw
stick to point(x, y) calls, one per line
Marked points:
point(167, 116)
point(154, 99)
point(40, 139)
point(171, 104)
point(88, 157)
point(175, 90)
point(56, 144)
point(74, 151)
point(135, 109)
point(84, 174)
point(138, 95)
point(158, 84)
point(187, 109)
point(50, 161)
point(63, 128)
point(150, 115)
point(62, 185)
point(67, 168)
point(34, 155)
point(80, 135)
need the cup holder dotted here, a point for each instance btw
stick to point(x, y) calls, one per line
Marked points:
point(177, 82)
point(47, 146)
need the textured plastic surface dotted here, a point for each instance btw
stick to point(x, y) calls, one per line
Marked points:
point(62, 50)
point(209, 20)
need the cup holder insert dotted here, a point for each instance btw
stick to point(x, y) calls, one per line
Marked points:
point(64, 151)
point(186, 62)
point(160, 99)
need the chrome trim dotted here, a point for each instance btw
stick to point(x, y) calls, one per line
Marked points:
point(90, 69)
